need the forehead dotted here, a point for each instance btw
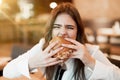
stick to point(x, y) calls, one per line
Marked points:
point(64, 18)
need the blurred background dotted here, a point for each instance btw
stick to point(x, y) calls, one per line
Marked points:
point(22, 23)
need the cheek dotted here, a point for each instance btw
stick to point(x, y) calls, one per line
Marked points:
point(73, 34)
point(54, 33)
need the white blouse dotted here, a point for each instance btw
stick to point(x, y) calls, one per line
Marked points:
point(103, 70)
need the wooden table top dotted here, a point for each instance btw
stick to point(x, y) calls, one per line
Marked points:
point(108, 32)
point(35, 76)
point(4, 61)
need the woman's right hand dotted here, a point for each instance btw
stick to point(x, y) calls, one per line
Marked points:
point(44, 58)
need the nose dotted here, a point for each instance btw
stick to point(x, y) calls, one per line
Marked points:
point(63, 32)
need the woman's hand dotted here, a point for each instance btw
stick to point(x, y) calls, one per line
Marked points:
point(44, 58)
point(81, 53)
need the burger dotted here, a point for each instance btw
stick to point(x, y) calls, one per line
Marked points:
point(65, 52)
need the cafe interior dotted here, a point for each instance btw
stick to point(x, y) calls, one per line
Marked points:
point(22, 25)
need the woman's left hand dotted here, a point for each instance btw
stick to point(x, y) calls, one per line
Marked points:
point(80, 52)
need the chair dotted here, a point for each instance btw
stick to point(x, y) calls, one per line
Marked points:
point(114, 61)
point(18, 50)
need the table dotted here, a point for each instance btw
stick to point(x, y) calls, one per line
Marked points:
point(35, 76)
point(4, 61)
point(109, 32)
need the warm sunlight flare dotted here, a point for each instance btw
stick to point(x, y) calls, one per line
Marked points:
point(53, 5)
point(0, 2)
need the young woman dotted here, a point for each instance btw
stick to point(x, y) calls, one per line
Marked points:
point(86, 62)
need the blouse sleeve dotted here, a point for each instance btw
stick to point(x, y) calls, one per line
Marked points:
point(19, 66)
point(105, 72)
point(16, 68)
point(104, 69)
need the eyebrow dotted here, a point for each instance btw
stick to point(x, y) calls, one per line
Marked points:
point(65, 25)
point(57, 24)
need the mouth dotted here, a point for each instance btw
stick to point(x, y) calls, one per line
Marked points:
point(63, 36)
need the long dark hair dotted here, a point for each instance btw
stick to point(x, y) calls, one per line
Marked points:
point(69, 9)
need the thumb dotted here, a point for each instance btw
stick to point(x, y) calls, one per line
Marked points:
point(41, 42)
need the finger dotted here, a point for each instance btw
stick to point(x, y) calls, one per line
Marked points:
point(73, 41)
point(75, 55)
point(46, 62)
point(42, 42)
point(51, 46)
point(55, 51)
point(51, 60)
point(70, 46)
point(53, 63)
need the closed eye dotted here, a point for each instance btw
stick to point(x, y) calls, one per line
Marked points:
point(56, 26)
point(69, 26)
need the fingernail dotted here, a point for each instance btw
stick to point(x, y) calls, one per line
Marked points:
point(57, 41)
point(66, 38)
point(61, 61)
point(62, 44)
point(61, 48)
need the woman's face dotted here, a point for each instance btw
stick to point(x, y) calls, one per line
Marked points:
point(64, 26)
